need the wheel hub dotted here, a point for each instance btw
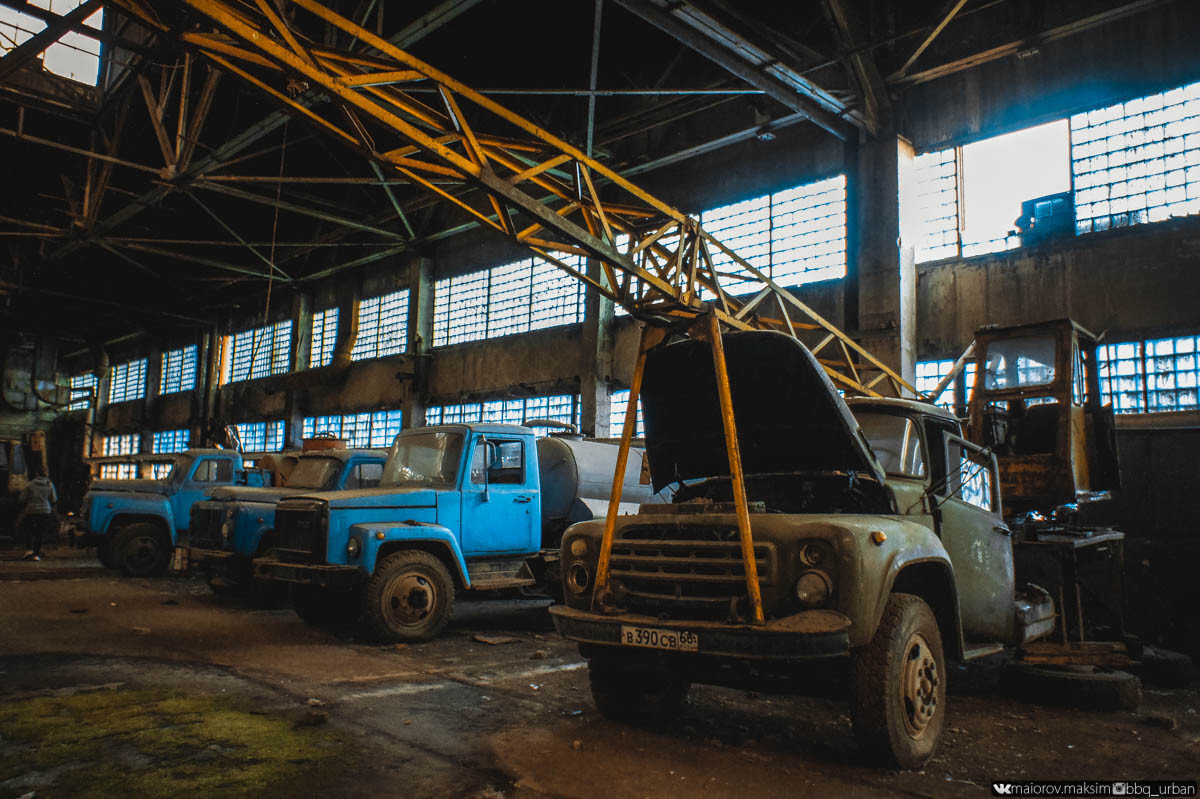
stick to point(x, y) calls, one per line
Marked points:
point(141, 553)
point(919, 681)
point(409, 600)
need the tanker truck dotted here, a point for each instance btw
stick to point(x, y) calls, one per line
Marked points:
point(474, 507)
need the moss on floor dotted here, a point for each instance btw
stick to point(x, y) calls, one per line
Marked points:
point(154, 744)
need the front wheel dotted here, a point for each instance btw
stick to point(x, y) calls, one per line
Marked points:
point(141, 550)
point(409, 597)
point(899, 700)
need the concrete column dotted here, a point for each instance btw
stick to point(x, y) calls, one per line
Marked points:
point(301, 349)
point(595, 383)
point(885, 269)
point(420, 339)
point(150, 403)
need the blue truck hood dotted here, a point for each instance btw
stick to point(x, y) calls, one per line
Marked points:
point(254, 494)
point(131, 486)
point(386, 497)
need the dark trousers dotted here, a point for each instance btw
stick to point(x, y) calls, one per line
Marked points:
point(38, 526)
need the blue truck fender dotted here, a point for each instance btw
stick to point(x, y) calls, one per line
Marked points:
point(133, 509)
point(433, 538)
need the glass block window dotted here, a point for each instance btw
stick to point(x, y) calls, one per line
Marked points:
point(530, 294)
point(119, 471)
point(259, 352)
point(127, 381)
point(73, 55)
point(469, 413)
point(794, 236)
point(1137, 161)
point(161, 471)
point(382, 326)
point(1172, 373)
point(618, 403)
point(172, 440)
point(559, 408)
point(126, 444)
point(83, 389)
point(929, 374)
point(178, 370)
point(324, 336)
point(1122, 376)
point(937, 204)
point(1153, 376)
point(262, 436)
point(968, 198)
point(369, 429)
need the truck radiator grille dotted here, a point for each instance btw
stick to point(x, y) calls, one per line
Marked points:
point(205, 529)
point(697, 577)
point(300, 533)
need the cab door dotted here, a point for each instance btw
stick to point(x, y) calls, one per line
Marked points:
point(500, 509)
point(979, 543)
point(207, 473)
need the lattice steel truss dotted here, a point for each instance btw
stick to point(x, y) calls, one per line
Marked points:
point(508, 174)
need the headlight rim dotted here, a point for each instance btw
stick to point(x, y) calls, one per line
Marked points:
point(827, 589)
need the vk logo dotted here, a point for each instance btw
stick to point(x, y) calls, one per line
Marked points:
point(1002, 788)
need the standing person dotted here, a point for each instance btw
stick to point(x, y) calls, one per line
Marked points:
point(37, 502)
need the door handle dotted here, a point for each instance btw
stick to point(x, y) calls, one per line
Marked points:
point(522, 499)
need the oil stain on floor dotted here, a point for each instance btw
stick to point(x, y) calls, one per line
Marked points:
point(153, 743)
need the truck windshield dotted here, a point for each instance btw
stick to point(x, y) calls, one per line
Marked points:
point(1024, 361)
point(895, 441)
point(423, 457)
point(314, 473)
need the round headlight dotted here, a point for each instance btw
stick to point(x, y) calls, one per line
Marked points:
point(578, 578)
point(813, 589)
point(353, 547)
point(579, 547)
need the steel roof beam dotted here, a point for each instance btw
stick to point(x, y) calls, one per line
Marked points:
point(748, 61)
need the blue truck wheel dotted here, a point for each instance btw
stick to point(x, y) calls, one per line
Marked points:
point(409, 597)
point(141, 550)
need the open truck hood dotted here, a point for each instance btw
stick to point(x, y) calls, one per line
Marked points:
point(789, 416)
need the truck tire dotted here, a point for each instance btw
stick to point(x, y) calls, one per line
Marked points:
point(409, 598)
point(326, 608)
point(899, 697)
point(1084, 688)
point(635, 689)
point(141, 550)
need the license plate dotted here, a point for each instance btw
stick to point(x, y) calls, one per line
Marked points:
point(673, 640)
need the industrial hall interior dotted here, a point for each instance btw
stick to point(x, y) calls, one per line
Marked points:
point(599, 398)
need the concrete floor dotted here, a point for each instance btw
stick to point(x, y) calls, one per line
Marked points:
point(459, 717)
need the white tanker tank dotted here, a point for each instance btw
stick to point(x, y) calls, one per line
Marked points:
point(577, 478)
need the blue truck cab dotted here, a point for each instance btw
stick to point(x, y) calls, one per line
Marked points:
point(135, 524)
point(460, 507)
point(236, 523)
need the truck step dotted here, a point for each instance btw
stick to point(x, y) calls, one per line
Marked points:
point(495, 583)
point(975, 651)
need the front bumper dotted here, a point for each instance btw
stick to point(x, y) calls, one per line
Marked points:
point(308, 574)
point(807, 635)
point(217, 560)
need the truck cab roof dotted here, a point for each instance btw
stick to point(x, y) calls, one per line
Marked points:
point(485, 428)
point(907, 405)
